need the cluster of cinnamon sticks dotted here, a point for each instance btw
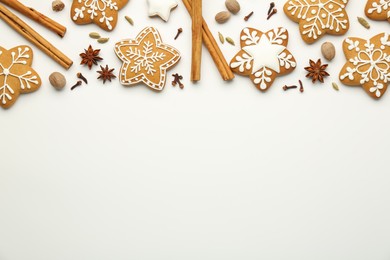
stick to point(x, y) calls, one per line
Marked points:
point(30, 34)
point(201, 32)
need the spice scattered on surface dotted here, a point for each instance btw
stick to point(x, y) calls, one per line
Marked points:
point(301, 88)
point(233, 6)
point(364, 22)
point(57, 80)
point(328, 50)
point(221, 38)
point(90, 57)
point(273, 12)
point(78, 84)
point(317, 71)
point(103, 40)
point(94, 35)
point(222, 17)
point(57, 6)
point(80, 76)
point(246, 18)
point(230, 40)
point(177, 80)
point(129, 20)
point(335, 86)
point(285, 88)
point(106, 74)
point(271, 7)
point(179, 31)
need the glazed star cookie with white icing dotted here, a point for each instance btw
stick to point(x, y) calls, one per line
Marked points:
point(378, 10)
point(368, 64)
point(318, 17)
point(104, 13)
point(16, 75)
point(263, 56)
point(146, 59)
point(162, 8)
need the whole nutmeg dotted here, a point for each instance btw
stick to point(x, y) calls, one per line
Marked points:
point(328, 50)
point(222, 17)
point(57, 80)
point(57, 5)
point(233, 6)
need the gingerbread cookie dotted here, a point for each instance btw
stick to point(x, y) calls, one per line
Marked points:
point(318, 17)
point(146, 59)
point(368, 64)
point(161, 8)
point(104, 13)
point(16, 75)
point(378, 10)
point(263, 56)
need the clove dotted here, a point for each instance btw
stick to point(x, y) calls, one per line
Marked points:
point(273, 12)
point(76, 85)
point(177, 80)
point(80, 76)
point(301, 89)
point(246, 18)
point(285, 88)
point(179, 31)
point(271, 7)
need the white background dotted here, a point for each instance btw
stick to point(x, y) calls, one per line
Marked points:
point(215, 171)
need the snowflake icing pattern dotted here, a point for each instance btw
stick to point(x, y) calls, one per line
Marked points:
point(273, 57)
point(102, 12)
point(378, 9)
point(368, 64)
point(144, 60)
point(16, 75)
point(317, 17)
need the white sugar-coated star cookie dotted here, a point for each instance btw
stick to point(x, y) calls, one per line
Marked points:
point(161, 8)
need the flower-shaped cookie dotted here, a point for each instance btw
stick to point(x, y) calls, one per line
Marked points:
point(146, 59)
point(378, 10)
point(104, 13)
point(263, 56)
point(318, 17)
point(368, 64)
point(16, 75)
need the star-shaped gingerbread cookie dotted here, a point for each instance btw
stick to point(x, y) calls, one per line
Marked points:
point(16, 75)
point(368, 64)
point(104, 13)
point(318, 17)
point(146, 59)
point(263, 56)
point(161, 8)
point(378, 10)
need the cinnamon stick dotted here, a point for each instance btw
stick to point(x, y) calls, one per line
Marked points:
point(213, 47)
point(36, 16)
point(27, 32)
point(196, 40)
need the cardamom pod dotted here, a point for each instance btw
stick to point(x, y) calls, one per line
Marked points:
point(230, 40)
point(221, 38)
point(335, 86)
point(364, 22)
point(103, 40)
point(129, 20)
point(94, 35)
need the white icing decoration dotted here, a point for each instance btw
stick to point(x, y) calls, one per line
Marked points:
point(371, 64)
point(144, 60)
point(25, 80)
point(95, 8)
point(333, 11)
point(263, 55)
point(379, 6)
point(161, 8)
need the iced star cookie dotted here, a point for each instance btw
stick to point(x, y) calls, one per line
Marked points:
point(146, 59)
point(162, 8)
point(263, 56)
point(318, 17)
point(104, 13)
point(16, 75)
point(368, 64)
point(378, 10)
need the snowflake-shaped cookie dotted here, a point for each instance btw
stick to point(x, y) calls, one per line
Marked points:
point(263, 56)
point(104, 13)
point(146, 59)
point(368, 64)
point(16, 75)
point(318, 17)
point(378, 10)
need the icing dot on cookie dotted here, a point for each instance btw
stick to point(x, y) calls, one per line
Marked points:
point(331, 6)
point(6, 72)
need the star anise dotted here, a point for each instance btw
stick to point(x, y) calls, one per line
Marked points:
point(106, 74)
point(90, 57)
point(317, 71)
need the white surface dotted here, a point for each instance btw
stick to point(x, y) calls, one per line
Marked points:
point(214, 171)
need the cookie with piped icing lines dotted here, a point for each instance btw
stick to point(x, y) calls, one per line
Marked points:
point(16, 75)
point(318, 17)
point(104, 13)
point(368, 64)
point(263, 56)
point(378, 10)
